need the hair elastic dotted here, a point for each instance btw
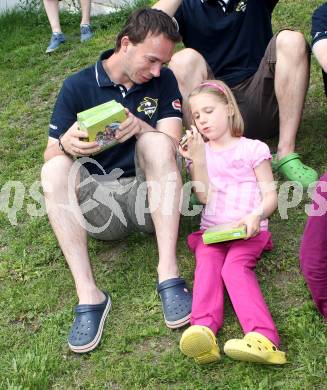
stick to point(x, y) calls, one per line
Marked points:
point(215, 86)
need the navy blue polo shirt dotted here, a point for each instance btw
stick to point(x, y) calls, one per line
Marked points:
point(319, 31)
point(232, 42)
point(157, 99)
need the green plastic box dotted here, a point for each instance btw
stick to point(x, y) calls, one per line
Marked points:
point(221, 233)
point(101, 122)
point(95, 110)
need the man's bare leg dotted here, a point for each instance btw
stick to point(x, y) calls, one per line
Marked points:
point(190, 69)
point(158, 170)
point(70, 234)
point(291, 84)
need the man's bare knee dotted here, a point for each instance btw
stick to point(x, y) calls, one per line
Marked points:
point(148, 146)
point(292, 43)
point(188, 62)
point(54, 174)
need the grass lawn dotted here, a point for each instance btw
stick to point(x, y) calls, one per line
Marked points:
point(36, 289)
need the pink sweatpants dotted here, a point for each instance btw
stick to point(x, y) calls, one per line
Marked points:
point(230, 264)
point(313, 252)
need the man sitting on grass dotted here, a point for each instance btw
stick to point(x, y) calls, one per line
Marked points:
point(93, 200)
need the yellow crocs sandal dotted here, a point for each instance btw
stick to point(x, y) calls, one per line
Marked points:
point(254, 347)
point(200, 343)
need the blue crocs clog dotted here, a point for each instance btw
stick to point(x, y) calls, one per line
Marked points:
point(87, 327)
point(176, 302)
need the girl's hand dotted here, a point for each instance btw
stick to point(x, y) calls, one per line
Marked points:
point(252, 223)
point(194, 149)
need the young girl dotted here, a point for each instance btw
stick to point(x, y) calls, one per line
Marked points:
point(237, 177)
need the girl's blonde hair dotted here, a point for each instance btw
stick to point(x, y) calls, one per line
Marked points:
point(224, 94)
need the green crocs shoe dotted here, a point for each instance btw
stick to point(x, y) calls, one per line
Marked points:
point(293, 169)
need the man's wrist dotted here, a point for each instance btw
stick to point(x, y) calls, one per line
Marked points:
point(61, 147)
point(144, 127)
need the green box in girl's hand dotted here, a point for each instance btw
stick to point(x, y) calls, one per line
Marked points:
point(101, 122)
point(225, 232)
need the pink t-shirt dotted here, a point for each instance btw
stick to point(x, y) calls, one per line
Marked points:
point(235, 190)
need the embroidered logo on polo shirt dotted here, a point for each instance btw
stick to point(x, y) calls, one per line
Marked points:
point(241, 6)
point(148, 106)
point(177, 105)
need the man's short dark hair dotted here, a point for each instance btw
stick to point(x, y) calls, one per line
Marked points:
point(148, 20)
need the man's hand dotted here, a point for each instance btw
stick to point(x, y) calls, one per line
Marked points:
point(131, 126)
point(73, 144)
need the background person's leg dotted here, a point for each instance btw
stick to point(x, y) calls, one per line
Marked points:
point(86, 32)
point(291, 85)
point(57, 37)
point(52, 10)
point(272, 100)
point(190, 69)
point(86, 9)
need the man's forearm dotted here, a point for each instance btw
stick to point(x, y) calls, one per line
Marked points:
point(168, 6)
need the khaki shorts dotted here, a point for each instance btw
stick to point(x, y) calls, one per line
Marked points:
point(113, 207)
point(257, 100)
